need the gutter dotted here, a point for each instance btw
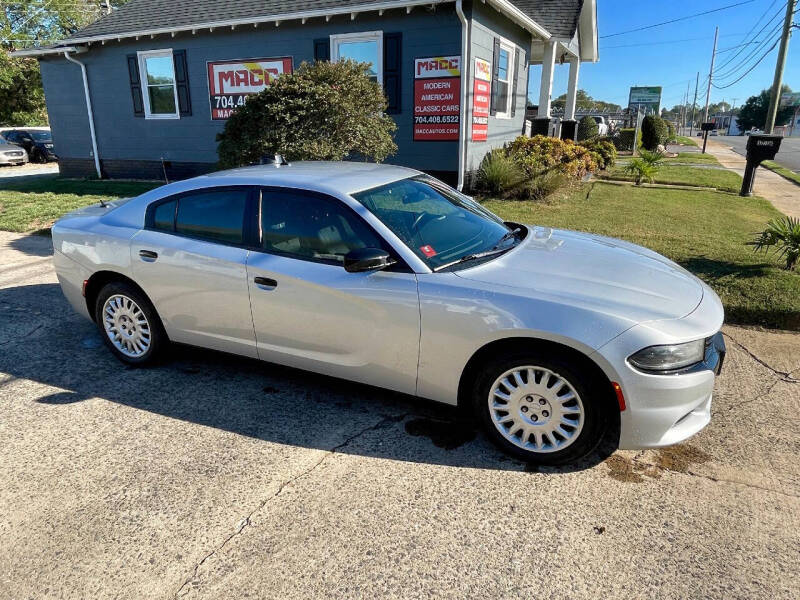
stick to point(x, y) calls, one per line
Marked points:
point(89, 111)
point(462, 118)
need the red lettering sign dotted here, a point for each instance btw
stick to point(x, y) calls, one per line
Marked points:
point(230, 82)
point(437, 99)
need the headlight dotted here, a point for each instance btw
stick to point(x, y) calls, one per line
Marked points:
point(669, 357)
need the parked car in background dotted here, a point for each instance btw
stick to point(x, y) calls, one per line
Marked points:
point(753, 131)
point(602, 126)
point(11, 154)
point(37, 142)
point(386, 276)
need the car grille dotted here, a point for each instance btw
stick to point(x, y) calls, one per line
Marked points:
point(13, 153)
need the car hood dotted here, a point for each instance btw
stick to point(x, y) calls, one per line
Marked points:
point(594, 272)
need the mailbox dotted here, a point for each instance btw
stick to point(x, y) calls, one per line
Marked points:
point(759, 148)
point(711, 126)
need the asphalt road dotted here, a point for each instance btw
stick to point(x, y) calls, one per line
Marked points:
point(216, 477)
point(788, 156)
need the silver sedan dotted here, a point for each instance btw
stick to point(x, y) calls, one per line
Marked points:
point(11, 154)
point(386, 276)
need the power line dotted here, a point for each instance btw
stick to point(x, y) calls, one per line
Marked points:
point(700, 14)
point(697, 39)
point(763, 56)
point(744, 62)
point(763, 27)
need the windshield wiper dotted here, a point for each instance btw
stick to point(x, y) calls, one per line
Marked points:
point(507, 236)
point(470, 257)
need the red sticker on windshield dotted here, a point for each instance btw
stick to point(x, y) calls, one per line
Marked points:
point(427, 250)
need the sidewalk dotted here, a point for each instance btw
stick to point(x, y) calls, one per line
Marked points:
point(783, 194)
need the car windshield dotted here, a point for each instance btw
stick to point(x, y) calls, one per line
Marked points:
point(441, 226)
point(40, 136)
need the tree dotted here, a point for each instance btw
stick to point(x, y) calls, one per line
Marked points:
point(322, 111)
point(754, 112)
point(587, 128)
point(584, 101)
point(26, 24)
point(654, 132)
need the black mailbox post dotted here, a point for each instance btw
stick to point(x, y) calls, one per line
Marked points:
point(759, 148)
point(705, 128)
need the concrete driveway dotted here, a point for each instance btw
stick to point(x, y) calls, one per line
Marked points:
point(217, 477)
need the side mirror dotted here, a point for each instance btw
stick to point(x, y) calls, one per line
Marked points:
point(367, 259)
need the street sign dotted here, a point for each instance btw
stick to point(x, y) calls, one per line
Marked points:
point(790, 99)
point(646, 98)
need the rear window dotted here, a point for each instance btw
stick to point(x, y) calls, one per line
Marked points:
point(215, 215)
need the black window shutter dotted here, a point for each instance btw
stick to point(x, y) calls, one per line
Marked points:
point(136, 85)
point(392, 61)
point(182, 82)
point(518, 55)
point(495, 74)
point(322, 49)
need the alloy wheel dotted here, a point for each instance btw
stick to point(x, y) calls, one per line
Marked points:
point(126, 326)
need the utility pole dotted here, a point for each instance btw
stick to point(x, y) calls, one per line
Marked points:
point(694, 103)
point(685, 106)
point(711, 74)
point(779, 66)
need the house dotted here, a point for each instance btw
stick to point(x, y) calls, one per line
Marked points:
point(143, 91)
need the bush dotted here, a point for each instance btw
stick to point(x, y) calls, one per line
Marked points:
point(499, 174)
point(644, 168)
point(783, 236)
point(654, 132)
point(624, 141)
point(540, 154)
point(323, 111)
point(671, 134)
point(587, 128)
point(542, 186)
point(605, 150)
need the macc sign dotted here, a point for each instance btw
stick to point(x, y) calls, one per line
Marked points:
point(231, 81)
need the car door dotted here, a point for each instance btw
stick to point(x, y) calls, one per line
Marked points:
point(310, 313)
point(191, 261)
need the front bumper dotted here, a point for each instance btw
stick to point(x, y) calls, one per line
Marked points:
point(665, 409)
point(7, 159)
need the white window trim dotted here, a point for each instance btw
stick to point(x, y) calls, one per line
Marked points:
point(361, 36)
point(512, 74)
point(142, 55)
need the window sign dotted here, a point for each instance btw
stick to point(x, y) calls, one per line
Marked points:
point(481, 92)
point(437, 98)
point(231, 81)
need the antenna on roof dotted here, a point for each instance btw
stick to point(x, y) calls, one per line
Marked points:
point(273, 159)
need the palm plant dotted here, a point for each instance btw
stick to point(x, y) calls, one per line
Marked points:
point(783, 235)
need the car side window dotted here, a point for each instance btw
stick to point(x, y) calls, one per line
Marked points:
point(164, 216)
point(311, 227)
point(214, 215)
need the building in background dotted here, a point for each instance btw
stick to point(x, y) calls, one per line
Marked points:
point(143, 92)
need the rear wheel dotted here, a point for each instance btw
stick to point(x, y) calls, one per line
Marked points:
point(542, 409)
point(129, 324)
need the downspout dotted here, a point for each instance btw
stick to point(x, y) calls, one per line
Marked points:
point(462, 132)
point(89, 111)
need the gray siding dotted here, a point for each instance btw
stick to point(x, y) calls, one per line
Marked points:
point(121, 136)
point(486, 25)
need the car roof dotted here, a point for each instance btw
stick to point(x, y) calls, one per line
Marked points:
point(342, 177)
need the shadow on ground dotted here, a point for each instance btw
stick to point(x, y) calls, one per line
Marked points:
point(40, 244)
point(247, 397)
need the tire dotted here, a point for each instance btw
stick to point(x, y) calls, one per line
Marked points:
point(529, 425)
point(37, 157)
point(129, 324)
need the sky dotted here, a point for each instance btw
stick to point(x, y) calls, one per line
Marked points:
point(671, 55)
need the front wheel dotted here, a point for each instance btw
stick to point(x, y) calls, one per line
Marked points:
point(129, 324)
point(541, 409)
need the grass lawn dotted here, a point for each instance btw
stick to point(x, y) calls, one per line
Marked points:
point(693, 157)
point(685, 141)
point(721, 179)
point(704, 231)
point(782, 171)
point(32, 204)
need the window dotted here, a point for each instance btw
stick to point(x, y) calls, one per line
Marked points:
point(157, 72)
point(505, 80)
point(214, 215)
point(309, 227)
point(164, 216)
point(361, 47)
point(437, 223)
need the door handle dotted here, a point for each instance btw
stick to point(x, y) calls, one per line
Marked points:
point(266, 283)
point(148, 255)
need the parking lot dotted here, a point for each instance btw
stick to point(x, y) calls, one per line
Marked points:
point(213, 476)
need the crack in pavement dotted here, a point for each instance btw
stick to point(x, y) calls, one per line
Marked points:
point(785, 375)
point(23, 336)
point(244, 523)
point(712, 478)
point(760, 395)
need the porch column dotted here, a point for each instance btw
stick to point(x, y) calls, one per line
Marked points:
point(572, 89)
point(542, 123)
point(568, 125)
